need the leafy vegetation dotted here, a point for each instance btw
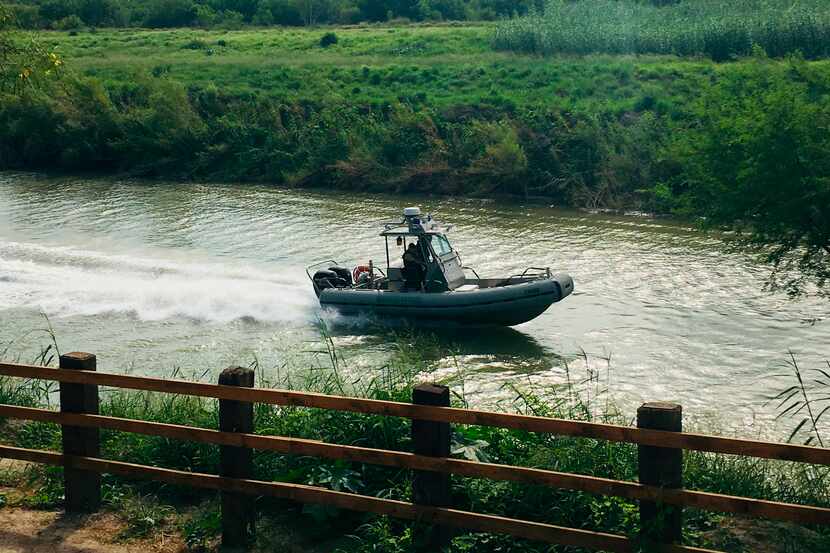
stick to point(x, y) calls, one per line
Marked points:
point(720, 30)
point(147, 506)
point(754, 159)
point(806, 401)
point(23, 61)
point(433, 109)
point(78, 14)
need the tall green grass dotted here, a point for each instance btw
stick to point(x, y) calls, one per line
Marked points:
point(578, 398)
point(713, 28)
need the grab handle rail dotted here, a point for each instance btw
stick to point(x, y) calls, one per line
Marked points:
point(538, 272)
point(318, 264)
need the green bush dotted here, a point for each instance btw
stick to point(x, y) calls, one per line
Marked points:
point(328, 39)
point(170, 13)
point(757, 159)
point(70, 22)
point(195, 44)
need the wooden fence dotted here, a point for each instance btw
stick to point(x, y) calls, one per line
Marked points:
point(658, 435)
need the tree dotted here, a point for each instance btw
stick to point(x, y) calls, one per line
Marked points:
point(309, 10)
point(246, 7)
point(54, 10)
point(170, 13)
point(23, 60)
point(281, 12)
point(447, 9)
point(374, 10)
point(97, 13)
point(263, 15)
point(757, 161)
point(317, 11)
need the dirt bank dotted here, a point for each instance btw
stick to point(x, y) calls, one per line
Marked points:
point(28, 531)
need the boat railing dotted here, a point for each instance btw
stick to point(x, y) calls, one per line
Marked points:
point(473, 270)
point(319, 264)
point(531, 273)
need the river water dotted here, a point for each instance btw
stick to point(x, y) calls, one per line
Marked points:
point(154, 277)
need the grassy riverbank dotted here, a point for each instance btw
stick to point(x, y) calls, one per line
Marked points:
point(147, 507)
point(413, 108)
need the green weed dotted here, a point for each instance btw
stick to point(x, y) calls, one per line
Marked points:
point(581, 397)
point(719, 30)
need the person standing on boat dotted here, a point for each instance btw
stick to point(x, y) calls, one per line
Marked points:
point(414, 267)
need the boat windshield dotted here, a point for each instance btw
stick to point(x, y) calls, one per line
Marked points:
point(441, 245)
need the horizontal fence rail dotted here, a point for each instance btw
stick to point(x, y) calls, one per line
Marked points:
point(397, 459)
point(310, 494)
point(562, 427)
point(659, 438)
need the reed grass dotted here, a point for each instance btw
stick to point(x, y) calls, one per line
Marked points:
point(713, 28)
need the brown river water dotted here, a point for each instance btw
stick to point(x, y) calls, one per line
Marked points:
point(154, 277)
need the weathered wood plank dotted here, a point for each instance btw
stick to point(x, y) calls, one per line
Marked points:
point(238, 510)
point(431, 439)
point(658, 438)
point(661, 467)
point(803, 514)
point(82, 489)
point(307, 494)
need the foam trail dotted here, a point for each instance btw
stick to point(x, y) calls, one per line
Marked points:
point(66, 281)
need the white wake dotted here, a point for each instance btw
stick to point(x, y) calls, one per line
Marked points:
point(66, 281)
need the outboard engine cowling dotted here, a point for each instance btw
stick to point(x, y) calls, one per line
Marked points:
point(328, 279)
point(343, 273)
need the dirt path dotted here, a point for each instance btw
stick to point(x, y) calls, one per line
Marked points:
point(27, 531)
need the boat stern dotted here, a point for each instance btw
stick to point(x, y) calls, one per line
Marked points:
point(565, 284)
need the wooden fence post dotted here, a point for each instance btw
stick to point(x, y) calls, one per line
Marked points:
point(82, 488)
point(238, 510)
point(660, 466)
point(432, 439)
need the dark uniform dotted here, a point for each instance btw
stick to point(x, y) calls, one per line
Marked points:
point(414, 268)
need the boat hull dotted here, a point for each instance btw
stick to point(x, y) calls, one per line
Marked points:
point(498, 306)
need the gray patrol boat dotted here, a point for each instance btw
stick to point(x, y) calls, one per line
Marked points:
point(427, 281)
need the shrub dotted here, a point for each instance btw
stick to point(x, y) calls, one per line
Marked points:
point(195, 44)
point(263, 16)
point(70, 22)
point(26, 17)
point(328, 39)
point(206, 16)
point(230, 19)
point(283, 12)
point(170, 13)
point(757, 160)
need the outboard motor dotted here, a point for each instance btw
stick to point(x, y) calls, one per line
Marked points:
point(343, 273)
point(328, 279)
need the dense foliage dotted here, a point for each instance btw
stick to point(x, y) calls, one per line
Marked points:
point(720, 30)
point(75, 14)
point(22, 60)
point(396, 109)
point(756, 158)
point(157, 127)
